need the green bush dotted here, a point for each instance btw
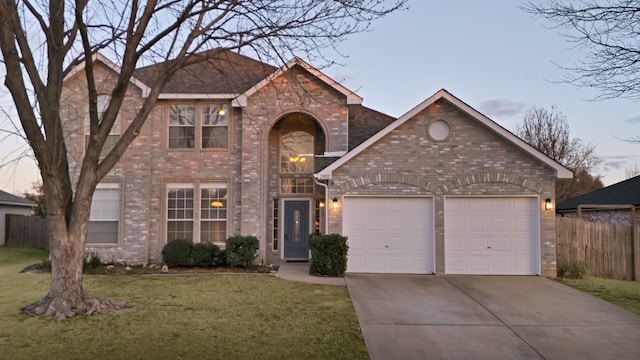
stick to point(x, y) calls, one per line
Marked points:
point(92, 261)
point(241, 250)
point(328, 254)
point(178, 253)
point(572, 269)
point(221, 258)
point(204, 254)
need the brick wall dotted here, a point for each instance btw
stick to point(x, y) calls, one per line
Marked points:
point(472, 161)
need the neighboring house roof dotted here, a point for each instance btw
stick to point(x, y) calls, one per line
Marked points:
point(226, 72)
point(626, 192)
point(561, 171)
point(12, 200)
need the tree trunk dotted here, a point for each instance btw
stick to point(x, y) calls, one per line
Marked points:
point(66, 297)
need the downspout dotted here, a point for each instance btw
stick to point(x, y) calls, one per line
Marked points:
point(326, 204)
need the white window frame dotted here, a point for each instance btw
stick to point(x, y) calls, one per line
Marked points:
point(100, 215)
point(197, 219)
point(181, 186)
point(177, 125)
point(115, 132)
point(218, 116)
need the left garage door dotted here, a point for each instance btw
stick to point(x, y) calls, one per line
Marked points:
point(389, 234)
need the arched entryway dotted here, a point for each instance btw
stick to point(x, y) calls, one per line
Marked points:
point(295, 141)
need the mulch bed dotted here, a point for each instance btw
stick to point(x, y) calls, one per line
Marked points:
point(156, 269)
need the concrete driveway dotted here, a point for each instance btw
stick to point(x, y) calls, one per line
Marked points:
point(488, 317)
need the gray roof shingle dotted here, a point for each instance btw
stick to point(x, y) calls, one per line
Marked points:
point(10, 199)
point(226, 72)
point(626, 192)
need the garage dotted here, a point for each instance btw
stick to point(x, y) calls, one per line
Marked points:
point(389, 234)
point(491, 235)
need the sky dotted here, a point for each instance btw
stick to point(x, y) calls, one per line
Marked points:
point(490, 54)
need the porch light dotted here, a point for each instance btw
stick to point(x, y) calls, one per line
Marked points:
point(548, 204)
point(217, 204)
point(335, 203)
point(321, 204)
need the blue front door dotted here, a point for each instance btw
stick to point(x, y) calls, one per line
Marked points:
point(296, 229)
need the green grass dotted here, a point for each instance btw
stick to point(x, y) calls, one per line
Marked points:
point(243, 316)
point(625, 294)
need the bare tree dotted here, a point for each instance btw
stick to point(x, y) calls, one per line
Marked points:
point(632, 171)
point(609, 30)
point(548, 131)
point(42, 41)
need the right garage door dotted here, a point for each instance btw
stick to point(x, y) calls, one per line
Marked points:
point(491, 235)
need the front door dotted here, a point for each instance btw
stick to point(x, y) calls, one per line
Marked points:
point(296, 229)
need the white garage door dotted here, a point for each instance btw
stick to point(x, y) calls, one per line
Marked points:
point(389, 235)
point(491, 236)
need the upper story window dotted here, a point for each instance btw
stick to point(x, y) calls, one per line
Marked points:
point(114, 134)
point(297, 145)
point(182, 126)
point(199, 125)
point(215, 126)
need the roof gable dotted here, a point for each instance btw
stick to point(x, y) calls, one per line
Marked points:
point(352, 98)
point(626, 192)
point(561, 171)
point(10, 199)
point(98, 58)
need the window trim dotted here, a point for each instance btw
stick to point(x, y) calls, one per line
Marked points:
point(116, 130)
point(198, 126)
point(111, 185)
point(197, 186)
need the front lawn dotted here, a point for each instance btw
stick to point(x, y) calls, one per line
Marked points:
point(625, 294)
point(236, 316)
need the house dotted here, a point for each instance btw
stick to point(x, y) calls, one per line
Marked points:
point(236, 146)
point(15, 205)
point(612, 204)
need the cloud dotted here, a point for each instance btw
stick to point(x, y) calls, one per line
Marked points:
point(502, 107)
point(633, 120)
point(612, 163)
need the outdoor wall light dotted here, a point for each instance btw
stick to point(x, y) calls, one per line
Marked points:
point(548, 204)
point(335, 203)
point(321, 204)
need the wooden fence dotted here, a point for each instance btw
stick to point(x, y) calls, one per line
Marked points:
point(608, 250)
point(26, 231)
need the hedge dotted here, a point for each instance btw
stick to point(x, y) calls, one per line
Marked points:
point(328, 255)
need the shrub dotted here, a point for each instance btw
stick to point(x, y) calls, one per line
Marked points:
point(221, 258)
point(178, 253)
point(92, 261)
point(328, 254)
point(572, 269)
point(241, 250)
point(204, 254)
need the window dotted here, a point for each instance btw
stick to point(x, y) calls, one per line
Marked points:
point(204, 223)
point(213, 213)
point(182, 128)
point(289, 185)
point(208, 122)
point(105, 214)
point(297, 145)
point(180, 212)
point(114, 134)
point(215, 125)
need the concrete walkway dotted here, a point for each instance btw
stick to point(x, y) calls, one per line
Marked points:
point(488, 317)
point(299, 271)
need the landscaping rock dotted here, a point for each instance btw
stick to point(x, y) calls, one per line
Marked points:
point(165, 269)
